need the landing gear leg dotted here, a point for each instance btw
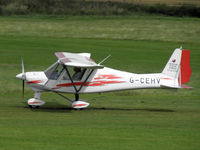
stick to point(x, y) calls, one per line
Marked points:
point(78, 104)
point(76, 97)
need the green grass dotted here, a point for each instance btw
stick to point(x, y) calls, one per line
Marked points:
point(139, 120)
point(134, 28)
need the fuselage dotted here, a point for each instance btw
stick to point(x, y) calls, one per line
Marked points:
point(101, 80)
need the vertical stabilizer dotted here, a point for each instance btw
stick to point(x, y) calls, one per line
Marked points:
point(172, 67)
point(178, 67)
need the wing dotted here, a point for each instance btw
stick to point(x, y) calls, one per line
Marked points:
point(77, 60)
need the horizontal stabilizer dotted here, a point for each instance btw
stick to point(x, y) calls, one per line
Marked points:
point(186, 86)
point(169, 82)
point(169, 86)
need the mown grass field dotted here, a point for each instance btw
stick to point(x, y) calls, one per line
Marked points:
point(127, 120)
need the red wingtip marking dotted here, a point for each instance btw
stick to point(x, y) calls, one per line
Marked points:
point(60, 55)
point(65, 60)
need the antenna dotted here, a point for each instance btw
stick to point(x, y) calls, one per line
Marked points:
point(104, 60)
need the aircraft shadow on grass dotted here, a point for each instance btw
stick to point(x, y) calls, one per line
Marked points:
point(56, 107)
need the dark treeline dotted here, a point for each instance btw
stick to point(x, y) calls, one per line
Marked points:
point(82, 7)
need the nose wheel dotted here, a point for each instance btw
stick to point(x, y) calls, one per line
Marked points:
point(35, 102)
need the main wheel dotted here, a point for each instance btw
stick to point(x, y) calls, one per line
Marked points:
point(33, 106)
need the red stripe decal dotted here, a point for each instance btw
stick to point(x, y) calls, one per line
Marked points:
point(94, 83)
point(79, 105)
point(101, 83)
point(166, 78)
point(55, 88)
point(34, 102)
point(75, 83)
point(107, 76)
point(35, 81)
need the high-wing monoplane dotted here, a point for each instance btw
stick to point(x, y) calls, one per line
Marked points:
point(77, 73)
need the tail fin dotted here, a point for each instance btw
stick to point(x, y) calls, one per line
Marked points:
point(178, 66)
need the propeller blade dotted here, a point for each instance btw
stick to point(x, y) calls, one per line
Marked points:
point(23, 77)
point(22, 65)
point(23, 84)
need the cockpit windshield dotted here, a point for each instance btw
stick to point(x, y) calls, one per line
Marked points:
point(54, 71)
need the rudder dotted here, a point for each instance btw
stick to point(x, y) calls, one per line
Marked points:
point(186, 71)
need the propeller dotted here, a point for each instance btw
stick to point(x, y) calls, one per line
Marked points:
point(23, 84)
point(22, 76)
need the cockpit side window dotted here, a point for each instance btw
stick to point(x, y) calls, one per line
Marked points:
point(78, 73)
point(57, 70)
point(75, 72)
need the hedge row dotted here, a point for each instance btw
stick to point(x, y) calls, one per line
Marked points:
point(82, 7)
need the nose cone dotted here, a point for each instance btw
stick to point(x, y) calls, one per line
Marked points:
point(20, 76)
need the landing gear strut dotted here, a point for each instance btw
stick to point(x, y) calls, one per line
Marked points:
point(76, 97)
point(79, 104)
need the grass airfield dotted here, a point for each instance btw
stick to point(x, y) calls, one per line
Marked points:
point(139, 119)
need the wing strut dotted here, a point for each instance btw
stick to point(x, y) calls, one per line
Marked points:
point(70, 77)
point(69, 100)
point(86, 80)
point(77, 90)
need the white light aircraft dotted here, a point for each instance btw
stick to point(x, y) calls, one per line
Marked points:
point(77, 73)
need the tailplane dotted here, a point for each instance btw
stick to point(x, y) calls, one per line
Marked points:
point(178, 68)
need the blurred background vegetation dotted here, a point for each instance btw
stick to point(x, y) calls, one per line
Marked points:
point(190, 8)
